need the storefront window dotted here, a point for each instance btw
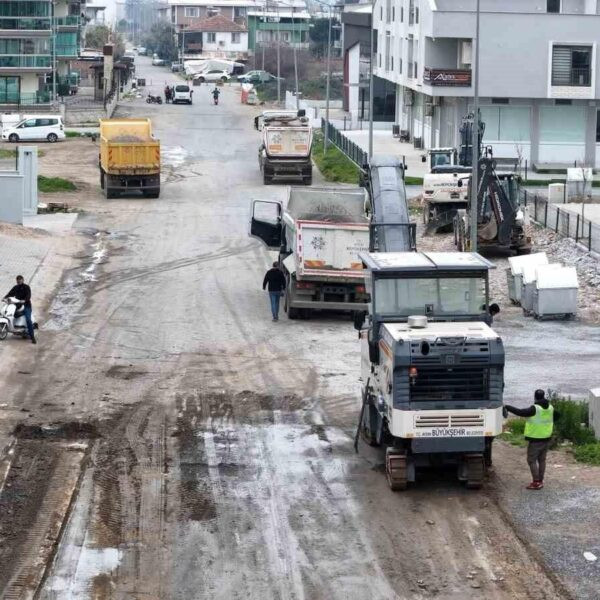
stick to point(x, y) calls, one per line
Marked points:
point(562, 124)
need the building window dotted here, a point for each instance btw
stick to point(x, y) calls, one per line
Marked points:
point(191, 11)
point(571, 65)
point(388, 11)
point(553, 6)
point(402, 14)
point(563, 102)
point(211, 38)
point(506, 123)
point(381, 13)
point(9, 90)
point(212, 11)
point(285, 36)
point(393, 13)
point(562, 124)
point(597, 120)
point(236, 38)
point(387, 51)
point(239, 12)
point(499, 100)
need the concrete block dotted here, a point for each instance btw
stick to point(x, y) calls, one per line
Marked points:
point(594, 409)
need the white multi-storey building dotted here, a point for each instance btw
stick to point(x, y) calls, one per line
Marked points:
point(538, 82)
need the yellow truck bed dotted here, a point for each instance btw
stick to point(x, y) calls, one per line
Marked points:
point(127, 146)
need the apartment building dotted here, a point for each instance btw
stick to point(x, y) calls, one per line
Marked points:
point(538, 73)
point(287, 23)
point(36, 36)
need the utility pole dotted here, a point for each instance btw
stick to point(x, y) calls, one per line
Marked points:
point(475, 142)
point(263, 34)
point(326, 140)
point(278, 58)
point(295, 59)
point(54, 30)
point(372, 61)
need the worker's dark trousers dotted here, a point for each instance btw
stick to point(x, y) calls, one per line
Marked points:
point(536, 458)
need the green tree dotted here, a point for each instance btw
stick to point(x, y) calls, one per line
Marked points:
point(99, 35)
point(161, 40)
point(123, 26)
point(319, 35)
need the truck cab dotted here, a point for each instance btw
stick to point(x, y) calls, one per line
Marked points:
point(432, 366)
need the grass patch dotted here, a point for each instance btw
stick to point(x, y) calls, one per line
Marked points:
point(413, 180)
point(54, 184)
point(334, 166)
point(588, 453)
point(4, 153)
point(513, 432)
point(545, 182)
point(76, 134)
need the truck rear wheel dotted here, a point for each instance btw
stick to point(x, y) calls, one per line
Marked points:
point(101, 179)
point(110, 193)
point(267, 180)
point(292, 313)
point(151, 193)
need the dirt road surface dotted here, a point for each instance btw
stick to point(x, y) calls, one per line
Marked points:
point(212, 448)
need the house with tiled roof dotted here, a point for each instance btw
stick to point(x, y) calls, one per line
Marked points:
point(219, 36)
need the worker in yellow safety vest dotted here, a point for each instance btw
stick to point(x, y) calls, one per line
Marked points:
point(539, 426)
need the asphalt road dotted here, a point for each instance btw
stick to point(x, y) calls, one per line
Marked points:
point(220, 461)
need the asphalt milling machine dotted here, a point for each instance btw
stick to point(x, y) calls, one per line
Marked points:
point(432, 367)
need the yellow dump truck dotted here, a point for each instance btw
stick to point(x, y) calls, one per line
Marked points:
point(129, 157)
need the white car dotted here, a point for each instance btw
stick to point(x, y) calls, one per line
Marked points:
point(213, 75)
point(43, 127)
point(183, 93)
point(158, 62)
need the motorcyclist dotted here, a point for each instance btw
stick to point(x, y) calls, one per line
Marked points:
point(22, 292)
point(215, 94)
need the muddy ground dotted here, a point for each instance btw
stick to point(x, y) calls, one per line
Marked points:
point(214, 456)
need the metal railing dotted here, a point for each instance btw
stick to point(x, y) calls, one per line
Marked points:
point(69, 50)
point(576, 78)
point(70, 21)
point(561, 221)
point(25, 99)
point(26, 23)
point(20, 61)
point(354, 152)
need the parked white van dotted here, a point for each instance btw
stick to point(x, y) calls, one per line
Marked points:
point(183, 93)
point(36, 127)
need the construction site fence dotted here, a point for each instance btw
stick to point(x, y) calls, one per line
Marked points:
point(563, 222)
point(353, 151)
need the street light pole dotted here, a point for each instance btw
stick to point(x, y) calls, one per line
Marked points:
point(475, 140)
point(326, 140)
point(295, 59)
point(278, 59)
point(372, 61)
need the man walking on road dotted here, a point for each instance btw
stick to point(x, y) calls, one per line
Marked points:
point(275, 279)
point(22, 292)
point(538, 432)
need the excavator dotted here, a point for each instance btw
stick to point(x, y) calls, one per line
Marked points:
point(502, 225)
point(432, 368)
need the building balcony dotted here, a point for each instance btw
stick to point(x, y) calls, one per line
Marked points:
point(71, 51)
point(26, 99)
point(20, 62)
point(70, 22)
point(447, 77)
point(26, 24)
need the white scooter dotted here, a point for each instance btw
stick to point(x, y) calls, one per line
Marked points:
point(12, 318)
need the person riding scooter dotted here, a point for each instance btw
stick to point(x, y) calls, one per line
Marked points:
point(215, 94)
point(22, 292)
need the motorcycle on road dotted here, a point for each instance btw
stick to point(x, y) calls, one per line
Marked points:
point(151, 99)
point(12, 318)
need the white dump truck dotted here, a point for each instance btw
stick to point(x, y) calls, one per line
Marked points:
point(286, 145)
point(319, 235)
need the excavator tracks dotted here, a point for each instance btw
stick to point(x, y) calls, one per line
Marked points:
point(395, 469)
point(475, 471)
